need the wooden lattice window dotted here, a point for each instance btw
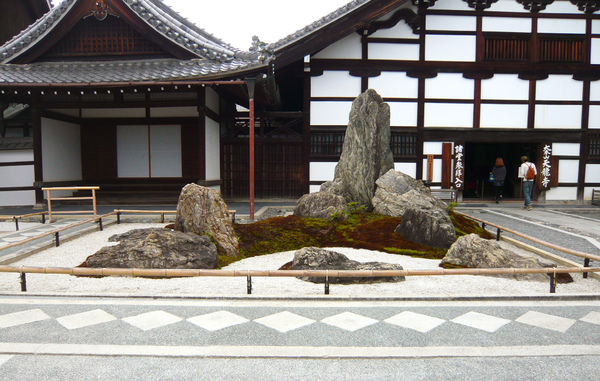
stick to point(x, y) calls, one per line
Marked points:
point(506, 48)
point(561, 49)
point(594, 152)
point(111, 36)
point(327, 143)
point(404, 144)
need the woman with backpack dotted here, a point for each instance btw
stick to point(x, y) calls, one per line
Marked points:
point(527, 172)
point(499, 173)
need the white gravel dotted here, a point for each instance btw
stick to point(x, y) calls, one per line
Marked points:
point(73, 253)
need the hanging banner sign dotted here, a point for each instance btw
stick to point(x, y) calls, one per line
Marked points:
point(459, 173)
point(546, 169)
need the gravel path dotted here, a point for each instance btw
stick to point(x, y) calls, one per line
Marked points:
point(73, 253)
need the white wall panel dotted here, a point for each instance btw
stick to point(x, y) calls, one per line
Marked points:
point(565, 149)
point(167, 112)
point(113, 113)
point(503, 115)
point(212, 150)
point(559, 88)
point(335, 84)
point(348, 48)
point(395, 85)
point(132, 151)
point(568, 170)
point(330, 113)
point(17, 176)
point(592, 173)
point(448, 115)
point(20, 198)
point(587, 193)
point(505, 87)
point(507, 6)
point(165, 151)
point(384, 51)
point(403, 113)
point(596, 26)
point(595, 59)
point(212, 100)
point(557, 116)
point(561, 7)
point(455, 23)
point(16, 155)
point(561, 26)
point(458, 5)
point(594, 117)
point(595, 90)
point(400, 30)
point(322, 171)
point(449, 86)
point(432, 148)
point(506, 24)
point(407, 168)
point(61, 150)
point(561, 194)
point(450, 48)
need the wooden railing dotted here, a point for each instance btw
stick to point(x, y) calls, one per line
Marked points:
point(57, 189)
point(596, 197)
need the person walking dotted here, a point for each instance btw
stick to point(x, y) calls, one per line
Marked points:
point(499, 173)
point(527, 173)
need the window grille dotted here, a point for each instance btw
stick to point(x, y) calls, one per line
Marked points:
point(507, 48)
point(404, 144)
point(594, 152)
point(516, 48)
point(561, 50)
point(327, 143)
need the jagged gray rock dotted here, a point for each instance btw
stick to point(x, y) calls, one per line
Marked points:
point(321, 205)
point(156, 248)
point(475, 252)
point(202, 211)
point(366, 154)
point(429, 227)
point(314, 258)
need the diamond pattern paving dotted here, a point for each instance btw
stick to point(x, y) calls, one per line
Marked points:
point(415, 321)
point(217, 320)
point(85, 319)
point(349, 321)
point(593, 317)
point(480, 321)
point(151, 320)
point(284, 321)
point(22, 317)
point(551, 322)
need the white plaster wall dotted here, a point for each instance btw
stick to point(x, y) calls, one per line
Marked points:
point(450, 48)
point(132, 151)
point(437, 170)
point(559, 88)
point(503, 115)
point(407, 168)
point(458, 5)
point(596, 26)
point(561, 194)
point(165, 151)
point(507, 6)
point(432, 148)
point(595, 58)
point(592, 173)
point(506, 87)
point(322, 171)
point(330, 113)
point(385, 51)
point(61, 151)
point(561, 26)
point(557, 116)
point(594, 121)
point(347, 48)
point(17, 176)
point(212, 150)
point(568, 171)
point(20, 198)
point(403, 114)
point(506, 24)
point(212, 100)
point(15, 155)
point(395, 85)
point(565, 149)
point(448, 115)
point(563, 6)
point(167, 112)
point(455, 23)
point(449, 86)
point(335, 84)
point(595, 90)
point(587, 193)
point(113, 113)
point(400, 30)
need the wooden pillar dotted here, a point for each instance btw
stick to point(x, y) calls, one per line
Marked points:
point(250, 83)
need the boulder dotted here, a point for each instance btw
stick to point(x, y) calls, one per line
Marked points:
point(321, 205)
point(313, 258)
point(202, 211)
point(473, 251)
point(366, 154)
point(156, 249)
point(429, 227)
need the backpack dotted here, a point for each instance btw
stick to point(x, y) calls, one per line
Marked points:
point(530, 175)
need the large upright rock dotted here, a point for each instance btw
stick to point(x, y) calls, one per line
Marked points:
point(366, 154)
point(202, 211)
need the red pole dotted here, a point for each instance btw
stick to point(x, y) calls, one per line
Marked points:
point(252, 158)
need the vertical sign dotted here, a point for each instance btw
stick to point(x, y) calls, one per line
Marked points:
point(430, 168)
point(459, 174)
point(546, 170)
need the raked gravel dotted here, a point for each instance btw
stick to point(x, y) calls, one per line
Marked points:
point(73, 253)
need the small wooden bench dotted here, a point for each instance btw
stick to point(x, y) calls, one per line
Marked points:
point(55, 189)
point(596, 197)
point(445, 194)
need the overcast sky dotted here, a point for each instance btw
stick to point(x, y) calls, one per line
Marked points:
point(236, 21)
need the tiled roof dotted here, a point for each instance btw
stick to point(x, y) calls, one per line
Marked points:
point(118, 71)
point(154, 13)
point(15, 143)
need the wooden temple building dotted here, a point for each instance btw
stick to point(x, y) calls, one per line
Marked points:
point(130, 96)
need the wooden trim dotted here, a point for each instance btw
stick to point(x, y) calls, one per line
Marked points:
point(58, 116)
point(17, 189)
point(446, 165)
point(36, 121)
point(531, 111)
point(16, 163)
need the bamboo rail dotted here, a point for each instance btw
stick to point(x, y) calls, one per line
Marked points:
point(17, 218)
point(49, 198)
point(161, 212)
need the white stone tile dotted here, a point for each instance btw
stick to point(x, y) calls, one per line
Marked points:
point(85, 319)
point(5, 358)
point(593, 317)
point(217, 320)
point(551, 322)
point(151, 320)
point(415, 321)
point(284, 321)
point(14, 239)
point(480, 321)
point(349, 321)
point(22, 317)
